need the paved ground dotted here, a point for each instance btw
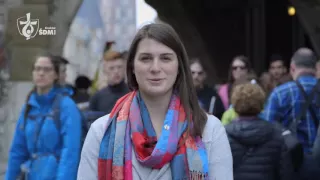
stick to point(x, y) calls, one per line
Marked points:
point(2, 170)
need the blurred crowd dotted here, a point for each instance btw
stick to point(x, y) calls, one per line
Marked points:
point(271, 120)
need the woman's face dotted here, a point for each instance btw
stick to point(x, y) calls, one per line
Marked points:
point(238, 69)
point(43, 73)
point(155, 67)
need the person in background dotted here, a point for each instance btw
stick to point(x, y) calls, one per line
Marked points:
point(69, 89)
point(239, 67)
point(258, 148)
point(276, 68)
point(100, 80)
point(266, 83)
point(208, 97)
point(47, 139)
point(124, 55)
point(82, 85)
point(284, 79)
point(285, 105)
point(318, 69)
point(157, 131)
point(230, 114)
point(114, 69)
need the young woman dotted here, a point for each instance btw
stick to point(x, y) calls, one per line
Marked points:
point(239, 67)
point(157, 131)
point(230, 114)
point(46, 143)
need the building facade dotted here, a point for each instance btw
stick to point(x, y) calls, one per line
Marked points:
point(119, 17)
point(100, 21)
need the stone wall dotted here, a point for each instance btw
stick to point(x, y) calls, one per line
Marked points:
point(59, 14)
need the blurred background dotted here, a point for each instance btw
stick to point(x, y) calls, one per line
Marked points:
point(214, 31)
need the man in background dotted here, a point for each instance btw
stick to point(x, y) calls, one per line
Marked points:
point(82, 85)
point(209, 99)
point(114, 69)
point(297, 103)
point(277, 68)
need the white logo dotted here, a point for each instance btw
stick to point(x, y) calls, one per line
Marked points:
point(29, 28)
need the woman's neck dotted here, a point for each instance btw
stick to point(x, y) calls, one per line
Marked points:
point(157, 108)
point(43, 90)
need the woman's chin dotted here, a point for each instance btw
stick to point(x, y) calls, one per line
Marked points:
point(156, 91)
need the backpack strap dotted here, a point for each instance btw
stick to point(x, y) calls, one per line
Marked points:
point(37, 133)
point(56, 110)
point(212, 105)
point(55, 114)
point(307, 105)
point(293, 124)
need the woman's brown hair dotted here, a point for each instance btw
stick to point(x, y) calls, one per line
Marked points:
point(248, 99)
point(166, 35)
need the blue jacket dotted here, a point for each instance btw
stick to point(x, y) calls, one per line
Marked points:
point(58, 152)
point(68, 89)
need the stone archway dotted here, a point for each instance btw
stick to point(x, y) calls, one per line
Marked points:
point(216, 30)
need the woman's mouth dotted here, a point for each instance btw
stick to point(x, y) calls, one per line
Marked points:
point(155, 80)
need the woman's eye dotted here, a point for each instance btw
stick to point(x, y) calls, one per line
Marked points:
point(145, 58)
point(166, 58)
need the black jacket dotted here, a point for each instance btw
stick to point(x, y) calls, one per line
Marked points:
point(106, 98)
point(205, 95)
point(268, 158)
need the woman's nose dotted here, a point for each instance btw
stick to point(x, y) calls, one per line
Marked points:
point(41, 73)
point(155, 66)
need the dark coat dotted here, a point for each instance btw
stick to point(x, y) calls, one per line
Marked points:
point(259, 151)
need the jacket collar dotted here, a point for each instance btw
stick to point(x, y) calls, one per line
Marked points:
point(40, 100)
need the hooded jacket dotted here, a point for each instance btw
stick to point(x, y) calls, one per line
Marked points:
point(258, 150)
point(55, 154)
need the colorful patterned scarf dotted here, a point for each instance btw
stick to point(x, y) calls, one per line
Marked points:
point(130, 127)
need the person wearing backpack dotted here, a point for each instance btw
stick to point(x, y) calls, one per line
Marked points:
point(258, 148)
point(295, 105)
point(47, 139)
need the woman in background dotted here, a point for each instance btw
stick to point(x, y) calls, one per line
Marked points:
point(46, 143)
point(258, 148)
point(230, 114)
point(240, 66)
